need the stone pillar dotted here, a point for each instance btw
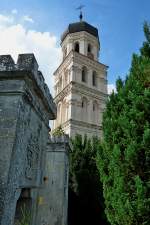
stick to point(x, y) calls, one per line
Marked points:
point(53, 199)
point(26, 107)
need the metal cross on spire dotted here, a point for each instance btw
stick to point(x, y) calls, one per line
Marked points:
point(80, 8)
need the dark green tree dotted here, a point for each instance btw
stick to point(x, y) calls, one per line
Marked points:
point(124, 156)
point(86, 203)
point(145, 50)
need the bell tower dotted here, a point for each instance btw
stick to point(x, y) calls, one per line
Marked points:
point(80, 82)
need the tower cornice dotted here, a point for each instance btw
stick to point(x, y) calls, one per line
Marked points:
point(77, 57)
point(88, 91)
point(81, 124)
point(64, 92)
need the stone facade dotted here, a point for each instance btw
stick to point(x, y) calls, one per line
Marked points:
point(80, 85)
point(33, 167)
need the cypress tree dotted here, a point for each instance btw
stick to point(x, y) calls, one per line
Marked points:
point(86, 203)
point(124, 156)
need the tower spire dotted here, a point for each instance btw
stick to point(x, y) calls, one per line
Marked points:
point(81, 14)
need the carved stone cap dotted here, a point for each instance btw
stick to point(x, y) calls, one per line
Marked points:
point(27, 66)
point(24, 62)
point(59, 139)
point(6, 63)
point(63, 141)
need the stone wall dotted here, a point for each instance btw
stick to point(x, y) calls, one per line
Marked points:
point(53, 199)
point(26, 106)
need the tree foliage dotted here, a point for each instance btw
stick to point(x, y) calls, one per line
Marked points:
point(58, 131)
point(124, 156)
point(86, 204)
point(145, 50)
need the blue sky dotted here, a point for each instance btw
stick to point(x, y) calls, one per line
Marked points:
point(120, 25)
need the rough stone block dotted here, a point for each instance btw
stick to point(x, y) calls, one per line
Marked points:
point(6, 63)
point(27, 62)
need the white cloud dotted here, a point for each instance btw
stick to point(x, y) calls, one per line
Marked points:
point(16, 39)
point(27, 18)
point(111, 88)
point(6, 20)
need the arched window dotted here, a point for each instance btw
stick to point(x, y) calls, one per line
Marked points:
point(94, 78)
point(76, 47)
point(84, 102)
point(95, 106)
point(95, 112)
point(84, 74)
point(84, 110)
point(89, 49)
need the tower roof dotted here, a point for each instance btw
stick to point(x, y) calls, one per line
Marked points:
point(80, 26)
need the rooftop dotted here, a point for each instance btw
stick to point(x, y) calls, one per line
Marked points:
point(80, 26)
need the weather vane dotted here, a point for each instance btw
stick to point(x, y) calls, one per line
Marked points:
point(80, 8)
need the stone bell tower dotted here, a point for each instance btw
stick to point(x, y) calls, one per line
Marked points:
point(80, 82)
